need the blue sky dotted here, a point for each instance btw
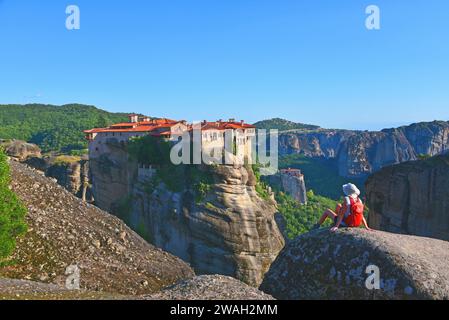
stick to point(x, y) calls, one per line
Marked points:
point(311, 61)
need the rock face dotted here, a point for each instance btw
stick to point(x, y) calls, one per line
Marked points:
point(411, 198)
point(359, 154)
point(231, 231)
point(65, 231)
point(21, 150)
point(325, 265)
point(210, 287)
point(74, 176)
point(294, 185)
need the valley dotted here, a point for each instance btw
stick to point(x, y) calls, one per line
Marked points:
point(139, 226)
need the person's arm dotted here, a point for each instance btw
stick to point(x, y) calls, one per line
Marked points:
point(365, 224)
point(337, 225)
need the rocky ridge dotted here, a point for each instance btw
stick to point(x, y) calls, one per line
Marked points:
point(360, 153)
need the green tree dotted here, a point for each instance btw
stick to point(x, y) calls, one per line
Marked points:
point(53, 128)
point(12, 212)
point(301, 218)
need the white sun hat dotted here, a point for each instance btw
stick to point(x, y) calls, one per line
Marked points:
point(351, 190)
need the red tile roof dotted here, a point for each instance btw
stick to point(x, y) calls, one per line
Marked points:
point(152, 125)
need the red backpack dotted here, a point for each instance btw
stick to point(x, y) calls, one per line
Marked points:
point(355, 217)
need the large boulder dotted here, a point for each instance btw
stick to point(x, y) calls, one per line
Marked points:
point(210, 287)
point(21, 150)
point(326, 265)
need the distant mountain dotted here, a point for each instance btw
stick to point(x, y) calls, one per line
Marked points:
point(284, 125)
point(358, 154)
point(53, 128)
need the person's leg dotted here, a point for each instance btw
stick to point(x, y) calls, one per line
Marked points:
point(337, 217)
point(327, 214)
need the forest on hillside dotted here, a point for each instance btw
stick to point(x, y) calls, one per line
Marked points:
point(284, 125)
point(53, 128)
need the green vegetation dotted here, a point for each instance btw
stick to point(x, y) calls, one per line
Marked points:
point(283, 125)
point(301, 218)
point(424, 156)
point(63, 159)
point(54, 128)
point(154, 151)
point(321, 175)
point(12, 212)
point(261, 186)
point(122, 209)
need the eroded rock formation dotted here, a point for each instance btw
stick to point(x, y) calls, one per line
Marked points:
point(230, 231)
point(360, 153)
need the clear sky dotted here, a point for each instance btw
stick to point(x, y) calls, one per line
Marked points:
point(310, 61)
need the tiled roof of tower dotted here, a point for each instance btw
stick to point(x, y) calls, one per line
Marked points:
point(220, 125)
point(135, 127)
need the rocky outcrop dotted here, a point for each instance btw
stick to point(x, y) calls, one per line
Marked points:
point(360, 153)
point(293, 183)
point(21, 150)
point(210, 287)
point(72, 175)
point(230, 231)
point(64, 231)
point(325, 265)
point(411, 198)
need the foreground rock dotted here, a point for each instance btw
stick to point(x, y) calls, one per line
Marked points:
point(211, 287)
point(324, 265)
point(64, 231)
point(12, 289)
point(411, 198)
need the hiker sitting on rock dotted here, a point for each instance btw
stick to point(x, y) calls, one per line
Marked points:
point(349, 214)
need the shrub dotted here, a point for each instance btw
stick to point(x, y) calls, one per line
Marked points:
point(12, 212)
point(301, 218)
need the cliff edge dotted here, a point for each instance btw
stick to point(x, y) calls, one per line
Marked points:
point(411, 198)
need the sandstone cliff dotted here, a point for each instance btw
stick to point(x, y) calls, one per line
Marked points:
point(65, 231)
point(325, 265)
point(294, 186)
point(230, 231)
point(72, 175)
point(411, 198)
point(360, 153)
